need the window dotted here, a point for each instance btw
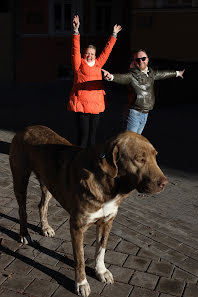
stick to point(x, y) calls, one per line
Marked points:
point(166, 3)
point(144, 21)
point(4, 6)
point(60, 16)
point(34, 18)
point(177, 3)
point(103, 16)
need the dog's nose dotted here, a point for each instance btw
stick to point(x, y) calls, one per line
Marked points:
point(162, 182)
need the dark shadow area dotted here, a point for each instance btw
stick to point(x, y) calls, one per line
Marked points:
point(171, 126)
point(172, 130)
point(57, 276)
point(30, 226)
point(4, 147)
point(60, 278)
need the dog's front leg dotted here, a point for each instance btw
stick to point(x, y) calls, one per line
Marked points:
point(102, 235)
point(81, 283)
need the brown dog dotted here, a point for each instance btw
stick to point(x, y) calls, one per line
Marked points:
point(89, 183)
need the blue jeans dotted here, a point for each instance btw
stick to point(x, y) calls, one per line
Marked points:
point(135, 120)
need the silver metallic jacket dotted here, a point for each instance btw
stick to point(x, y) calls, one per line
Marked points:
point(141, 96)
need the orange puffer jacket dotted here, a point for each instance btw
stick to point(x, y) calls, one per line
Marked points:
point(87, 94)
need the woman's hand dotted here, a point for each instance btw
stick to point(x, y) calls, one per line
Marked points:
point(76, 23)
point(117, 28)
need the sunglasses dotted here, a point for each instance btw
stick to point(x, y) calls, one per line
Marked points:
point(139, 59)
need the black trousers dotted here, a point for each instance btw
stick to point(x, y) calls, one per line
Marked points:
point(87, 124)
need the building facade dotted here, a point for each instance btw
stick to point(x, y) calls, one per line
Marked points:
point(37, 39)
point(35, 35)
point(166, 28)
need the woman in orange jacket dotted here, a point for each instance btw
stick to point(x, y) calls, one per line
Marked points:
point(87, 94)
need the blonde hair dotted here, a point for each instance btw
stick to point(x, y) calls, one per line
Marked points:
point(91, 46)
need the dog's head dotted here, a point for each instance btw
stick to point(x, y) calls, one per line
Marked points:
point(131, 159)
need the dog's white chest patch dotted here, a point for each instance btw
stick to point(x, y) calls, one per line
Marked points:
point(107, 211)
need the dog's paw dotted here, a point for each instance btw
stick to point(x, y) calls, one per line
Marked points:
point(48, 231)
point(83, 288)
point(25, 239)
point(105, 277)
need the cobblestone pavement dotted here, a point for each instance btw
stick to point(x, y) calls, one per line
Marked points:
point(151, 252)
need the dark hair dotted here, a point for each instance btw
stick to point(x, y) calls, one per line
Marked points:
point(139, 50)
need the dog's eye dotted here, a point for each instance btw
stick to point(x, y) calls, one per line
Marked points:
point(141, 161)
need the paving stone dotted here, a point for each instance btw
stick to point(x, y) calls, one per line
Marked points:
point(17, 283)
point(89, 252)
point(121, 274)
point(191, 290)
point(183, 275)
point(174, 256)
point(115, 258)
point(19, 266)
point(50, 243)
point(145, 280)
point(162, 269)
point(137, 263)
point(28, 251)
point(6, 293)
point(95, 285)
point(127, 248)
point(159, 247)
point(43, 272)
point(41, 288)
point(5, 260)
point(89, 237)
point(34, 216)
point(165, 295)
point(3, 276)
point(4, 201)
point(12, 203)
point(11, 245)
point(113, 241)
point(3, 208)
point(147, 254)
point(5, 223)
point(64, 277)
point(125, 233)
point(117, 290)
point(61, 211)
point(141, 292)
point(170, 242)
point(63, 292)
point(67, 262)
point(66, 247)
point(190, 265)
point(57, 220)
point(63, 232)
point(126, 221)
point(47, 258)
point(14, 214)
point(170, 286)
point(187, 250)
point(144, 241)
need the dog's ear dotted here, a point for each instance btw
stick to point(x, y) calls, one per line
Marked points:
point(108, 162)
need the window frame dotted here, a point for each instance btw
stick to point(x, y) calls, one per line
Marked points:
point(74, 5)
